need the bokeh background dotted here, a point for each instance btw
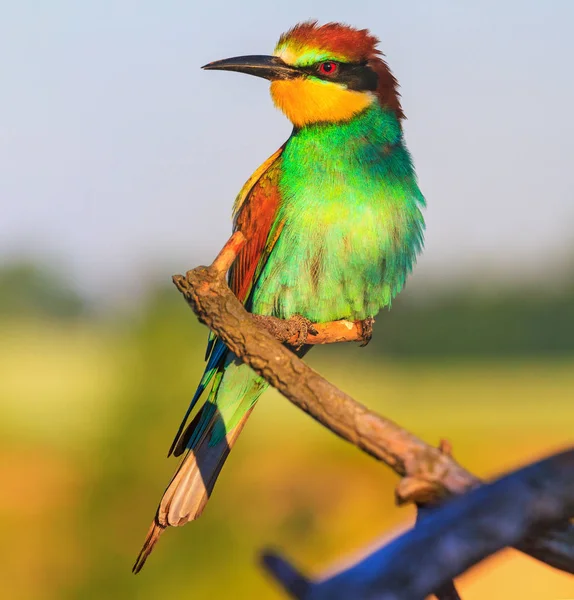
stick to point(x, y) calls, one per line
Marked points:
point(119, 163)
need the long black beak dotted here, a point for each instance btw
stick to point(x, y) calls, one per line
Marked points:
point(268, 67)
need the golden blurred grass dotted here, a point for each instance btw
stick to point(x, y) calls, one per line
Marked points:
point(86, 417)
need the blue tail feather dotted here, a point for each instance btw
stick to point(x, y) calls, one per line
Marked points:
point(213, 364)
point(211, 339)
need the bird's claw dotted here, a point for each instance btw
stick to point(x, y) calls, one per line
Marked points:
point(302, 327)
point(285, 330)
point(367, 330)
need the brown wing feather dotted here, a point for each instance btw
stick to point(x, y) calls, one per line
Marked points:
point(256, 210)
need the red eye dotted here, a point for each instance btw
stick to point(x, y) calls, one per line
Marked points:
point(328, 68)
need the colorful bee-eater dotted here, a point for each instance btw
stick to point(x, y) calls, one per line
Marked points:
point(333, 225)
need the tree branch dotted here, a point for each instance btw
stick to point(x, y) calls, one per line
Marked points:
point(450, 540)
point(429, 473)
point(447, 590)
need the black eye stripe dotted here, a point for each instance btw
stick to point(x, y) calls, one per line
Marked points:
point(356, 76)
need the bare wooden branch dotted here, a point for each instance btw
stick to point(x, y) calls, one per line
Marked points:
point(297, 331)
point(450, 540)
point(228, 254)
point(447, 591)
point(291, 580)
point(432, 474)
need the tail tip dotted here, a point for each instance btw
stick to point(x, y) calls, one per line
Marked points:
point(151, 539)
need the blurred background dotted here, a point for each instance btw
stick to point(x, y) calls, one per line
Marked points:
point(119, 163)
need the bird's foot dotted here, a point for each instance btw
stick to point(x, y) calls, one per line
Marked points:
point(367, 330)
point(301, 327)
point(297, 327)
point(278, 328)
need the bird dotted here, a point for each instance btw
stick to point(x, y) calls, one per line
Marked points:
point(333, 222)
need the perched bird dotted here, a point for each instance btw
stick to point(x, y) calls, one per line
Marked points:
point(333, 225)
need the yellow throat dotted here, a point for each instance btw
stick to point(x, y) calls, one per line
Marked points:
point(306, 101)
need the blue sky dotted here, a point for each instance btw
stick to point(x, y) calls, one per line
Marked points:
point(118, 153)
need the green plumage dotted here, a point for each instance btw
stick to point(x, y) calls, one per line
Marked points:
point(350, 230)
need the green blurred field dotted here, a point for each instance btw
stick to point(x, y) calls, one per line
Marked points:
point(87, 414)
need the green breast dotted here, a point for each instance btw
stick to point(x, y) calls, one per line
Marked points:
point(352, 226)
